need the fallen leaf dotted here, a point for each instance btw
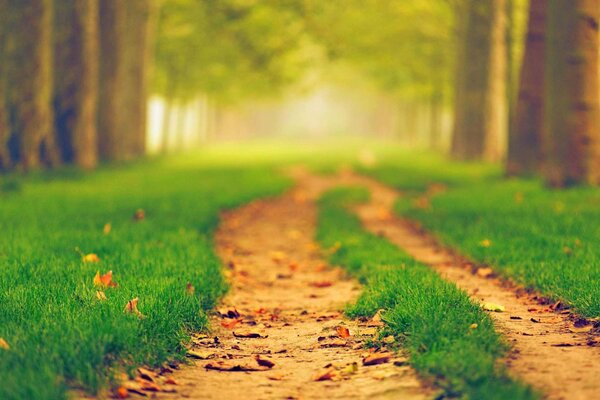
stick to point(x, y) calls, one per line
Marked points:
point(170, 381)
point(234, 366)
point(131, 307)
point(493, 307)
point(321, 284)
point(147, 385)
point(485, 243)
point(147, 374)
point(473, 326)
point(278, 256)
point(107, 228)
point(4, 344)
point(389, 339)
point(350, 369)
point(200, 355)
point(122, 392)
point(485, 272)
point(377, 316)
point(422, 203)
point(100, 295)
point(139, 215)
point(91, 258)
point(230, 312)
point(377, 358)
point(230, 324)
point(277, 377)
point(326, 374)
point(264, 362)
point(190, 289)
point(104, 281)
point(369, 331)
point(249, 333)
point(342, 332)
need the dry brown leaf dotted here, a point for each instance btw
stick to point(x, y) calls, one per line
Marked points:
point(131, 307)
point(104, 281)
point(147, 374)
point(249, 333)
point(190, 289)
point(326, 374)
point(276, 377)
point(234, 366)
point(389, 339)
point(342, 332)
point(334, 343)
point(264, 362)
point(485, 272)
point(4, 344)
point(369, 331)
point(230, 324)
point(170, 381)
point(200, 355)
point(377, 358)
point(147, 385)
point(139, 215)
point(321, 284)
point(100, 295)
point(230, 312)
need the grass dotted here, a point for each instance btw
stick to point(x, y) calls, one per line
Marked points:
point(542, 238)
point(60, 335)
point(430, 316)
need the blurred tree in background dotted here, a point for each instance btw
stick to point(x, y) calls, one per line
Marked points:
point(75, 84)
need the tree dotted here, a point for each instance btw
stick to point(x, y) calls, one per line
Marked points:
point(480, 105)
point(526, 132)
point(30, 82)
point(76, 80)
point(571, 106)
point(4, 126)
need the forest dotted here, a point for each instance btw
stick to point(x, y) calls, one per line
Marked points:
point(299, 199)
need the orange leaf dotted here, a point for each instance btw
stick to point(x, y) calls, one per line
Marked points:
point(139, 215)
point(377, 358)
point(4, 344)
point(131, 307)
point(321, 284)
point(326, 374)
point(231, 324)
point(107, 228)
point(122, 392)
point(342, 332)
point(104, 280)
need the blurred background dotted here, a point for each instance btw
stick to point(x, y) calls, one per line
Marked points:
point(494, 80)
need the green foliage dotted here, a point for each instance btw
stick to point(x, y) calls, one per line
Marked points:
point(59, 333)
point(431, 317)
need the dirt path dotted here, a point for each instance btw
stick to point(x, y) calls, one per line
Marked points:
point(284, 292)
point(548, 350)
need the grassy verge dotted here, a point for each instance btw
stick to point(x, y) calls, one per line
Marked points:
point(58, 332)
point(432, 317)
point(542, 238)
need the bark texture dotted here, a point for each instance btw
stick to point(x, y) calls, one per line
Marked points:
point(526, 134)
point(571, 107)
point(4, 126)
point(111, 111)
point(480, 113)
point(76, 80)
point(30, 82)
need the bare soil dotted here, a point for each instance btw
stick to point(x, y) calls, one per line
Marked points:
point(284, 291)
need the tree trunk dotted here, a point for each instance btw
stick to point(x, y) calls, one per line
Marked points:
point(526, 133)
point(111, 106)
point(571, 97)
point(166, 124)
point(76, 80)
point(137, 60)
point(480, 113)
point(30, 82)
point(4, 125)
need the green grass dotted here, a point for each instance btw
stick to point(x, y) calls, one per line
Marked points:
point(60, 334)
point(542, 238)
point(430, 316)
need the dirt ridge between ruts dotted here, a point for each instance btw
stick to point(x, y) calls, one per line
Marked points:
point(548, 349)
point(284, 290)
